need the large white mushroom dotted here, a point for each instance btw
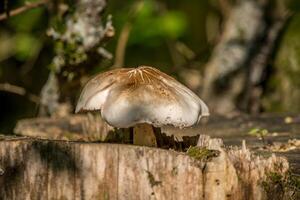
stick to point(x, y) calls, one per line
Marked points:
point(141, 98)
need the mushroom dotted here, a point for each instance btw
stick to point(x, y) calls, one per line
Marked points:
point(141, 98)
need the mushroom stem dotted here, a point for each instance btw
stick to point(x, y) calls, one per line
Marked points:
point(143, 134)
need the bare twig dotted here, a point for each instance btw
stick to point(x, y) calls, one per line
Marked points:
point(121, 46)
point(7, 87)
point(6, 7)
point(26, 7)
point(125, 32)
point(28, 66)
point(225, 7)
point(176, 57)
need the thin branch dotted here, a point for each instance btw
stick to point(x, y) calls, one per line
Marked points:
point(125, 32)
point(7, 87)
point(26, 7)
point(6, 7)
point(121, 45)
point(225, 7)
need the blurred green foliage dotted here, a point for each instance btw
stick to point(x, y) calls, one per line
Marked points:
point(151, 26)
point(26, 46)
point(293, 5)
point(284, 86)
point(26, 40)
point(27, 21)
point(158, 26)
point(24, 56)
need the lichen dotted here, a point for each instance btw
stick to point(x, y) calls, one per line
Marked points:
point(202, 153)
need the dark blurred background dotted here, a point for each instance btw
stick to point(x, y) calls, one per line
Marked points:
point(238, 55)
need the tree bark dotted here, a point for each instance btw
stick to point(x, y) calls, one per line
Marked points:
point(78, 49)
point(244, 26)
point(44, 169)
point(236, 71)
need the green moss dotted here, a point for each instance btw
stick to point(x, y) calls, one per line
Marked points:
point(105, 196)
point(152, 180)
point(68, 135)
point(282, 186)
point(174, 171)
point(202, 153)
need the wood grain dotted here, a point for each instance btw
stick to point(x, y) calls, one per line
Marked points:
point(50, 169)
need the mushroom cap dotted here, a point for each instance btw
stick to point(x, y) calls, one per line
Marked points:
point(129, 96)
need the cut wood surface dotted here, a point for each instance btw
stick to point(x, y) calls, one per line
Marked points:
point(77, 126)
point(232, 130)
point(44, 169)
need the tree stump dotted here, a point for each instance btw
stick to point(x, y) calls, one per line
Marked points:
point(232, 130)
point(48, 169)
